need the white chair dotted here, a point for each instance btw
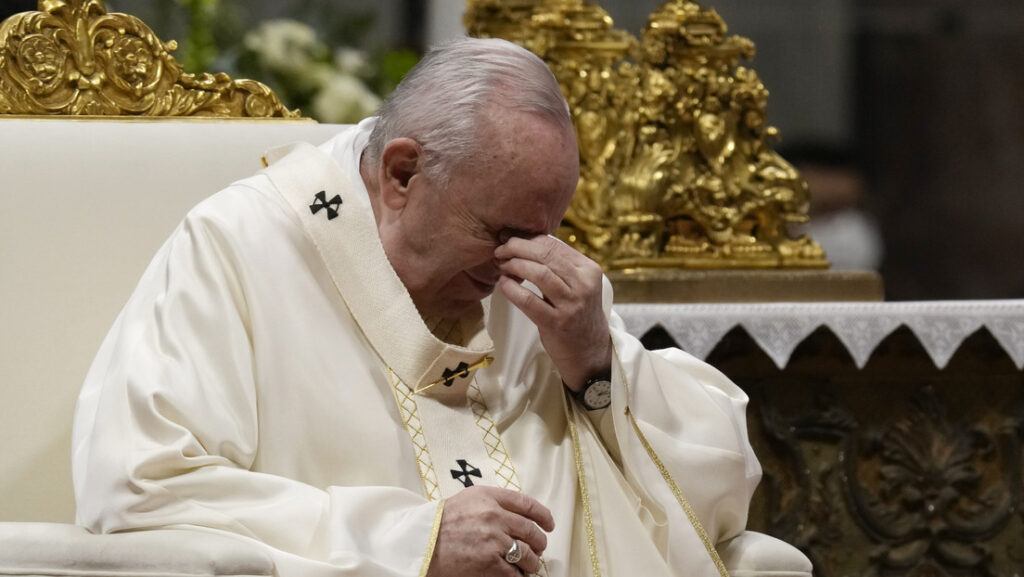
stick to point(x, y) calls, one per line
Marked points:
point(84, 204)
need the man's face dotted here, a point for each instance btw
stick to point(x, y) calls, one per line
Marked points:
point(441, 243)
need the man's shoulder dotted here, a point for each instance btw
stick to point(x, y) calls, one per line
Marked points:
point(261, 191)
point(246, 211)
point(239, 199)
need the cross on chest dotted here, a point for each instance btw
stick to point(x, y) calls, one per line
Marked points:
point(320, 202)
point(464, 471)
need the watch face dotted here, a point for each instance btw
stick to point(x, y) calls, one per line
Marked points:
point(598, 395)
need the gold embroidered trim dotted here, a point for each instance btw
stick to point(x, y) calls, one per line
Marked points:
point(622, 371)
point(407, 407)
point(680, 498)
point(504, 469)
point(581, 472)
point(434, 531)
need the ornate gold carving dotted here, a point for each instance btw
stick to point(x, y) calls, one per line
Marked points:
point(894, 469)
point(932, 495)
point(932, 490)
point(675, 158)
point(72, 58)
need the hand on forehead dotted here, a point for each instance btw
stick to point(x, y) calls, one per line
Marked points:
point(542, 259)
point(563, 298)
point(526, 244)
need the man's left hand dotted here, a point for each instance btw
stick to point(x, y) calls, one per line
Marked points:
point(569, 316)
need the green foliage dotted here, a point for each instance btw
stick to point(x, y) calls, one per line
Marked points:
point(394, 65)
point(199, 49)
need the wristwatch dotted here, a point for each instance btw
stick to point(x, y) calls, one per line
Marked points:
point(596, 393)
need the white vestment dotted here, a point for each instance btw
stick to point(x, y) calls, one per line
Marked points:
point(270, 377)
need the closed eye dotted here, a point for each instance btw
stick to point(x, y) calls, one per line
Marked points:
point(506, 233)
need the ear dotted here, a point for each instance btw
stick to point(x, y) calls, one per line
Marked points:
point(401, 161)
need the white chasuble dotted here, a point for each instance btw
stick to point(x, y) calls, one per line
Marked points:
point(271, 378)
point(434, 382)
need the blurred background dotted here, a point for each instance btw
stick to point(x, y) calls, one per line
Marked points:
point(905, 116)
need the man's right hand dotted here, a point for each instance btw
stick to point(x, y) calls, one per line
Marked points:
point(478, 526)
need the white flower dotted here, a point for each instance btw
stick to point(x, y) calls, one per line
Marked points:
point(285, 46)
point(344, 99)
point(351, 61)
point(328, 84)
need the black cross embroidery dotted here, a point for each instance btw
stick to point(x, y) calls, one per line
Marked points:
point(322, 202)
point(466, 470)
point(449, 375)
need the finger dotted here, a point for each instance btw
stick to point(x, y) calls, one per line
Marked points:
point(543, 249)
point(502, 567)
point(529, 562)
point(575, 269)
point(526, 531)
point(551, 285)
point(535, 308)
point(526, 506)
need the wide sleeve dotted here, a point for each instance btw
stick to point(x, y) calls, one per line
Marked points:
point(167, 430)
point(677, 428)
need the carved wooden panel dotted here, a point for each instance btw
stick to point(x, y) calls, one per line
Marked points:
point(896, 469)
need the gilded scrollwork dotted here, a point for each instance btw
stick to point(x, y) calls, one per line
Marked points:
point(676, 167)
point(70, 57)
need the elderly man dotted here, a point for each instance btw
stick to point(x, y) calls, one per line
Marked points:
point(315, 361)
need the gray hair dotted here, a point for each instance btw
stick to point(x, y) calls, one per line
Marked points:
point(442, 100)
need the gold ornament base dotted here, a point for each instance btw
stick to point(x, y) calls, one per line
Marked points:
point(744, 286)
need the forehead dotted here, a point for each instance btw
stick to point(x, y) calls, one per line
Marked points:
point(526, 174)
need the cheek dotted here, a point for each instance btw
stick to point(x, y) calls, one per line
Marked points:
point(449, 256)
point(470, 250)
point(484, 253)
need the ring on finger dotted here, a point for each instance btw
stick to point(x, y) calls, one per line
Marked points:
point(514, 553)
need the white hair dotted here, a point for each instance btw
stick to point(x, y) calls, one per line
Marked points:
point(442, 100)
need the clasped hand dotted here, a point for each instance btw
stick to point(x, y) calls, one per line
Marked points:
point(478, 526)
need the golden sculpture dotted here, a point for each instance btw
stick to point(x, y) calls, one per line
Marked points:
point(676, 166)
point(72, 58)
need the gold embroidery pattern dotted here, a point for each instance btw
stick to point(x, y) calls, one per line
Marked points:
point(581, 471)
point(690, 514)
point(504, 468)
point(407, 406)
point(665, 474)
point(434, 531)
